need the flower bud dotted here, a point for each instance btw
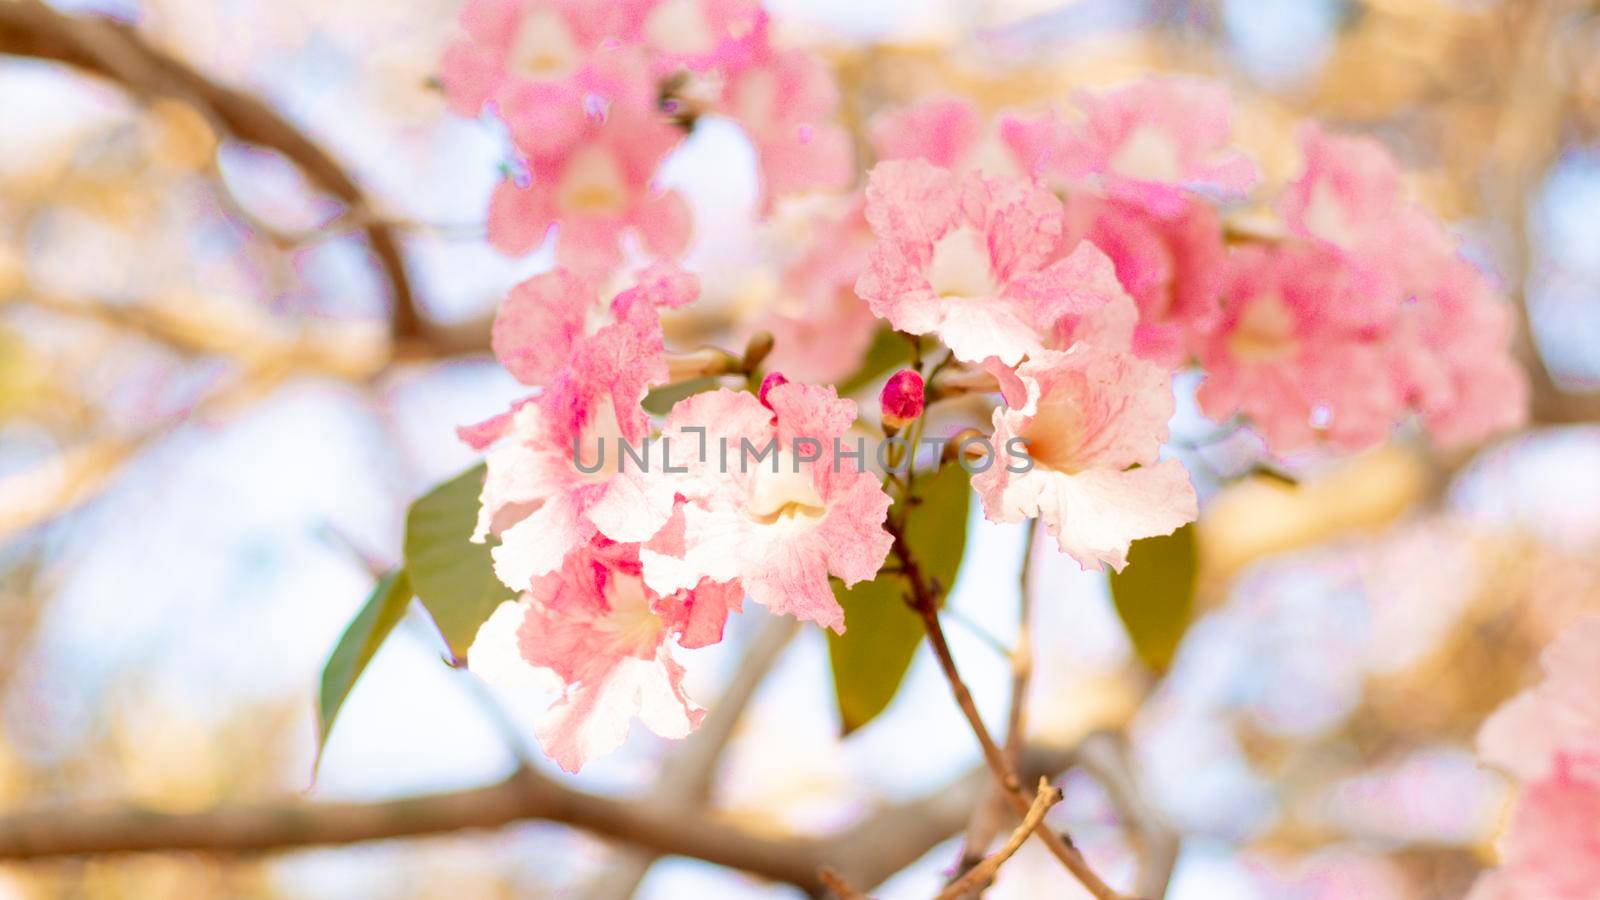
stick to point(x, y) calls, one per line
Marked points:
point(901, 399)
point(773, 379)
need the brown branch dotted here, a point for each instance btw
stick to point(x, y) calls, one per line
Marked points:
point(247, 829)
point(986, 818)
point(926, 603)
point(866, 853)
point(117, 52)
point(985, 870)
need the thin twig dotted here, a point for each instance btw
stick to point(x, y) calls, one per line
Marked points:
point(987, 816)
point(984, 871)
point(926, 604)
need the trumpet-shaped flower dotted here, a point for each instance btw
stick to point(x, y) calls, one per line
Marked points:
point(1155, 142)
point(1172, 265)
point(540, 63)
point(821, 329)
point(597, 188)
point(785, 102)
point(559, 476)
point(1281, 357)
point(545, 321)
point(593, 630)
point(1092, 427)
point(769, 502)
point(963, 257)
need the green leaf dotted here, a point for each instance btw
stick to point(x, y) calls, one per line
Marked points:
point(660, 401)
point(871, 658)
point(366, 632)
point(1154, 594)
point(889, 350)
point(453, 577)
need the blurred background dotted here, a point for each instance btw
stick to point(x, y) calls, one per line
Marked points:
point(213, 413)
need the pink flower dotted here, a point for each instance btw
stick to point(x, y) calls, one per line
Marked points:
point(821, 328)
point(1451, 357)
point(901, 400)
point(1349, 197)
point(1172, 265)
point(942, 131)
point(1092, 427)
point(607, 640)
point(701, 34)
point(1154, 141)
point(539, 61)
point(779, 524)
point(1107, 320)
point(597, 189)
point(545, 320)
point(785, 101)
point(963, 257)
point(1551, 848)
point(1281, 357)
point(559, 477)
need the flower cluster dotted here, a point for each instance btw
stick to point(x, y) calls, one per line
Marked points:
point(1360, 314)
point(1069, 265)
point(1549, 739)
point(617, 564)
point(594, 95)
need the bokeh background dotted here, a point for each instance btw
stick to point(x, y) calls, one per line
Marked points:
point(211, 425)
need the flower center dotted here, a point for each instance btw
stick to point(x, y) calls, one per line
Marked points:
point(678, 26)
point(592, 184)
point(634, 627)
point(1148, 154)
point(1265, 331)
point(1056, 434)
point(784, 496)
point(960, 266)
point(1325, 217)
point(544, 49)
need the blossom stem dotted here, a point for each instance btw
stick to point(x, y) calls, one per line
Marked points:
point(924, 600)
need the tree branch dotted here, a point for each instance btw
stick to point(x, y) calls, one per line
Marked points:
point(117, 52)
point(985, 870)
point(987, 817)
point(866, 853)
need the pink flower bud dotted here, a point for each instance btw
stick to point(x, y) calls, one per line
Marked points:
point(773, 379)
point(901, 399)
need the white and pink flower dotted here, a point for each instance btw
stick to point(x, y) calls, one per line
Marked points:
point(1092, 426)
point(1281, 356)
point(1155, 143)
point(607, 640)
point(782, 523)
point(1172, 265)
point(785, 101)
point(597, 188)
point(964, 257)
